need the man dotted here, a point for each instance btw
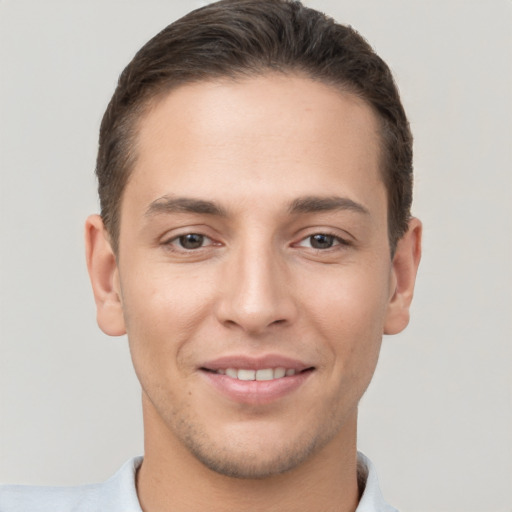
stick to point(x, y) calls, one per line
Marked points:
point(255, 242)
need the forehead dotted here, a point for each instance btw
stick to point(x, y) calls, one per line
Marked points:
point(278, 135)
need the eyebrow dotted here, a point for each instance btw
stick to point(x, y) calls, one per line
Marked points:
point(312, 204)
point(167, 204)
point(301, 205)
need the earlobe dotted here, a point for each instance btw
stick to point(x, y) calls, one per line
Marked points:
point(103, 273)
point(405, 266)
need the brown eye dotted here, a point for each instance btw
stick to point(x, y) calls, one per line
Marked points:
point(191, 241)
point(321, 241)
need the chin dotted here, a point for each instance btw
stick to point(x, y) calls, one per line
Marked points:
point(253, 460)
point(251, 465)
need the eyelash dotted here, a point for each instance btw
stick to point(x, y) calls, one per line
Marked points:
point(332, 239)
point(335, 240)
point(173, 242)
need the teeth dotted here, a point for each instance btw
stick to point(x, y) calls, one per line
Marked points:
point(263, 374)
point(246, 374)
point(279, 373)
point(231, 372)
point(266, 374)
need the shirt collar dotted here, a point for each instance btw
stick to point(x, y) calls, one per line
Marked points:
point(122, 487)
point(371, 499)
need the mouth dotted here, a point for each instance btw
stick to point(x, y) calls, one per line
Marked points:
point(256, 381)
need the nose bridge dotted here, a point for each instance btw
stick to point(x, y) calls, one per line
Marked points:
point(255, 292)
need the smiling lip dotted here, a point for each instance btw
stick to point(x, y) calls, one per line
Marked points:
point(256, 380)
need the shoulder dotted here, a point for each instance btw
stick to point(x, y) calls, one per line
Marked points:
point(19, 498)
point(116, 494)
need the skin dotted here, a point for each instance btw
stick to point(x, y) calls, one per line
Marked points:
point(258, 283)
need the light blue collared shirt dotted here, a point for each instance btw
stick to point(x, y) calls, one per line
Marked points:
point(119, 494)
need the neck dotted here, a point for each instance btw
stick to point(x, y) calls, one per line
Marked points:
point(171, 479)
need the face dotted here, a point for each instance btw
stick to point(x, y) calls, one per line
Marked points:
point(254, 276)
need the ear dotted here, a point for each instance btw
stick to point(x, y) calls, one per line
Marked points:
point(104, 275)
point(405, 266)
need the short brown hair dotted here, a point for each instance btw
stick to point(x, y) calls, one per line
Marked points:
point(237, 38)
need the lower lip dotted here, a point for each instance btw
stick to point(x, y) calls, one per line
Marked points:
point(255, 392)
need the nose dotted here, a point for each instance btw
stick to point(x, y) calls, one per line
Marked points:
point(255, 294)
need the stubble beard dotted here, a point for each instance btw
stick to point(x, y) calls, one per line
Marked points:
point(259, 460)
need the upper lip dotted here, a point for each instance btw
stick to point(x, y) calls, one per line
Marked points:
point(255, 363)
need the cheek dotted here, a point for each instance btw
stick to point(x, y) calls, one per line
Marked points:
point(348, 292)
point(162, 311)
point(162, 295)
point(348, 308)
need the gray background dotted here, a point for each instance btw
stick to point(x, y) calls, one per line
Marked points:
point(437, 421)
